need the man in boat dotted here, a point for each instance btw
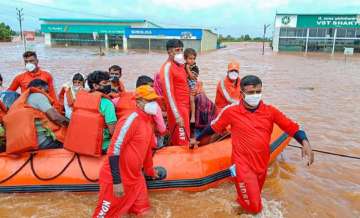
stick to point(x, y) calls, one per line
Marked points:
point(92, 109)
point(176, 93)
point(251, 123)
point(32, 122)
point(115, 73)
point(122, 184)
point(228, 89)
point(33, 71)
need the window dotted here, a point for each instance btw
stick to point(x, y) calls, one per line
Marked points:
point(321, 32)
point(341, 33)
point(291, 32)
point(313, 32)
point(357, 35)
point(330, 32)
point(301, 32)
point(283, 31)
point(350, 33)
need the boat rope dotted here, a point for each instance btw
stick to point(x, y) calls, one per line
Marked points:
point(53, 177)
point(327, 152)
point(83, 171)
point(227, 134)
point(17, 171)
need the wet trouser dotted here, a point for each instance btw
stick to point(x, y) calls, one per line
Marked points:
point(248, 186)
point(135, 200)
point(176, 137)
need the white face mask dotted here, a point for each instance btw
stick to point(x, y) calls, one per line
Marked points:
point(233, 75)
point(179, 58)
point(151, 108)
point(30, 67)
point(76, 88)
point(253, 100)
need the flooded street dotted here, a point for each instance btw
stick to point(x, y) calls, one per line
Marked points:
point(319, 91)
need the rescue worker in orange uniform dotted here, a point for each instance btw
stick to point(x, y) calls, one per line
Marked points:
point(122, 184)
point(93, 118)
point(126, 104)
point(251, 123)
point(228, 89)
point(32, 72)
point(32, 122)
point(176, 93)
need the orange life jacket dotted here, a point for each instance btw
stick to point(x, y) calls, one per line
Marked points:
point(66, 91)
point(125, 104)
point(19, 122)
point(85, 131)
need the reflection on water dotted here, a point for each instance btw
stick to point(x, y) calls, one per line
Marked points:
point(320, 91)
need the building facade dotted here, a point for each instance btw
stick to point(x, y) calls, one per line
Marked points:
point(122, 34)
point(316, 32)
point(155, 38)
point(88, 32)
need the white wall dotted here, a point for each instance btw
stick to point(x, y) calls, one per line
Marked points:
point(48, 39)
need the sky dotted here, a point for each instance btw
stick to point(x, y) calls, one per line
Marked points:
point(227, 17)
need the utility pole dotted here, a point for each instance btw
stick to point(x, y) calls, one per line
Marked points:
point(265, 28)
point(20, 18)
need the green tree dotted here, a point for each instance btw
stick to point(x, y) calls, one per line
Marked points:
point(247, 37)
point(5, 33)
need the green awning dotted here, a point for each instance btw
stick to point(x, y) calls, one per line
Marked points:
point(64, 28)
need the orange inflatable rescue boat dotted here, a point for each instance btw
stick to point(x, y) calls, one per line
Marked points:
point(62, 170)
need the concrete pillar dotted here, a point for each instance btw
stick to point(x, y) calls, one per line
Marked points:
point(48, 39)
point(106, 41)
point(307, 40)
point(334, 41)
point(149, 45)
point(125, 46)
point(276, 39)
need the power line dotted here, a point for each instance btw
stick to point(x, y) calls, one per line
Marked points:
point(64, 9)
point(329, 153)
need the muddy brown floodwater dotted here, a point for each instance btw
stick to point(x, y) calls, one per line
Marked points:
point(319, 91)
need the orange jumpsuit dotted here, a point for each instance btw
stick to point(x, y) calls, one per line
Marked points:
point(22, 80)
point(227, 93)
point(176, 93)
point(131, 149)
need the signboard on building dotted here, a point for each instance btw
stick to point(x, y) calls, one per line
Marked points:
point(286, 21)
point(328, 21)
point(69, 28)
point(160, 33)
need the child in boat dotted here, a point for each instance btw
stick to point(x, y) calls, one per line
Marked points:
point(193, 72)
point(68, 93)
